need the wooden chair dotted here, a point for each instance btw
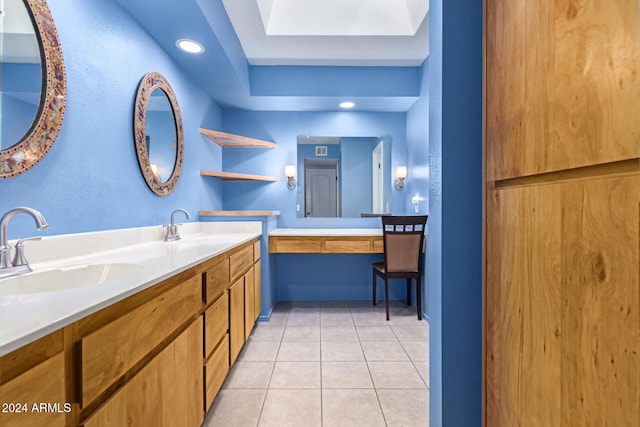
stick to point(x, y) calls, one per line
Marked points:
point(403, 238)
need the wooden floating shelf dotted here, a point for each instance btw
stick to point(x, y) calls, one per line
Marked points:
point(235, 141)
point(239, 213)
point(230, 176)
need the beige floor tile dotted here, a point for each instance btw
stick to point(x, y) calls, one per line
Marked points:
point(259, 351)
point(418, 351)
point(411, 333)
point(304, 319)
point(372, 318)
point(299, 351)
point(384, 351)
point(404, 408)
point(398, 375)
point(346, 375)
point(267, 332)
point(423, 370)
point(249, 375)
point(301, 333)
point(334, 306)
point(351, 408)
point(236, 408)
point(283, 408)
point(338, 333)
point(375, 333)
point(336, 319)
point(289, 375)
point(341, 351)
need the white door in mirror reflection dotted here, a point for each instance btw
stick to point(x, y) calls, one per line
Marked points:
point(377, 179)
point(321, 190)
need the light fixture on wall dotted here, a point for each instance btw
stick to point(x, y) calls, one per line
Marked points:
point(290, 173)
point(347, 104)
point(401, 174)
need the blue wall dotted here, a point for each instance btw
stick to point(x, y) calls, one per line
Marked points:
point(90, 180)
point(455, 212)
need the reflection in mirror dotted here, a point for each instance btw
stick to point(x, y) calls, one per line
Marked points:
point(20, 72)
point(32, 85)
point(158, 134)
point(343, 176)
point(161, 135)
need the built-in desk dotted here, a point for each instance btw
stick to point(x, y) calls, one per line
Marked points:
point(326, 241)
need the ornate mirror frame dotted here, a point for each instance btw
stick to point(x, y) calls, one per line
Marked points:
point(37, 142)
point(149, 82)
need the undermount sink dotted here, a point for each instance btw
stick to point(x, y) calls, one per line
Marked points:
point(67, 277)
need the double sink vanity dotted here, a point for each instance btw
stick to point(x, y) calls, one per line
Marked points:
point(121, 327)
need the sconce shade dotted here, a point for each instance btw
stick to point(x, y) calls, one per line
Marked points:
point(401, 172)
point(290, 171)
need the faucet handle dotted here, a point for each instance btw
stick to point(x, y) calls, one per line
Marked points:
point(19, 258)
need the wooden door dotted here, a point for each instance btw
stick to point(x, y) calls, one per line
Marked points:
point(562, 170)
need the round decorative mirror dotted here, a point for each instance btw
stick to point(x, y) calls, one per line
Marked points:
point(33, 85)
point(158, 134)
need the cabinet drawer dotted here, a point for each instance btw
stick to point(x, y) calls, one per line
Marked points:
point(256, 251)
point(42, 384)
point(216, 280)
point(295, 245)
point(378, 246)
point(111, 351)
point(241, 261)
point(343, 246)
point(216, 323)
point(215, 371)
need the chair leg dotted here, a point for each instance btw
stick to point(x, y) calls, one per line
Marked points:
point(386, 295)
point(419, 297)
point(408, 291)
point(374, 287)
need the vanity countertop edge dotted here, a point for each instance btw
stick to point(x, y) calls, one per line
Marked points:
point(27, 317)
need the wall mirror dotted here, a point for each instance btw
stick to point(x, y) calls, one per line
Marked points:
point(343, 176)
point(32, 85)
point(158, 134)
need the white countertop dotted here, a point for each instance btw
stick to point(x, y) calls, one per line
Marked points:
point(323, 232)
point(28, 316)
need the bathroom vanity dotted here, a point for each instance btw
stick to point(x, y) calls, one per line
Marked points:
point(151, 347)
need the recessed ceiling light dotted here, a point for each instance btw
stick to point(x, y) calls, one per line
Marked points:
point(190, 46)
point(347, 104)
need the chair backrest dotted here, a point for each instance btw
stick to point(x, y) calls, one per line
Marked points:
point(403, 243)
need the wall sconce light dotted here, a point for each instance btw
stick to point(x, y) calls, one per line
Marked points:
point(290, 173)
point(401, 174)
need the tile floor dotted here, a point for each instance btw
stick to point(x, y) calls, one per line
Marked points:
point(329, 364)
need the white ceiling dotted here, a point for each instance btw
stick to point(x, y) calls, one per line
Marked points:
point(331, 32)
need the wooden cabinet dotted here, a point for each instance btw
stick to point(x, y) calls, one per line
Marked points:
point(23, 396)
point(562, 283)
point(166, 392)
point(109, 352)
point(156, 358)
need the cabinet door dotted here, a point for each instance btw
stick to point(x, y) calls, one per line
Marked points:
point(166, 392)
point(257, 285)
point(249, 302)
point(236, 318)
point(43, 384)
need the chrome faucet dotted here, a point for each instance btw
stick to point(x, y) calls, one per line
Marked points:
point(172, 229)
point(19, 265)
